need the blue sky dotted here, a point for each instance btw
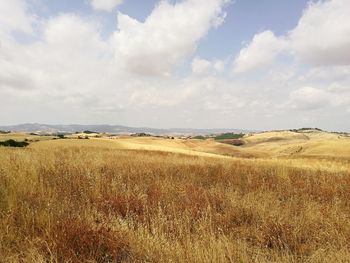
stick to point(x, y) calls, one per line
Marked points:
point(267, 64)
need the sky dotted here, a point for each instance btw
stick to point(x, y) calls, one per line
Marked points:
point(249, 64)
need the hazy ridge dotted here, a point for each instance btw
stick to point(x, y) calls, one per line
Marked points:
point(117, 129)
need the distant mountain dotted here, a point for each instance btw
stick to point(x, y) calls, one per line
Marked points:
point(114, 129)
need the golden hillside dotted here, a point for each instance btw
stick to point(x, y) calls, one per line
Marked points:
point(280, 197)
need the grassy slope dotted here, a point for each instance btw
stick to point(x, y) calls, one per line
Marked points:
point(99, 199)
point(308, 144)
point(23, 136)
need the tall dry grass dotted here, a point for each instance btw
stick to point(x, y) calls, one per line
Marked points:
point(93, 204)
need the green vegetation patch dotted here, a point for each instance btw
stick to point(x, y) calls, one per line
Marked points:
point(141, 134)
point(89, 132)
point(199, 137)
point(229, 135)
point(13, 143)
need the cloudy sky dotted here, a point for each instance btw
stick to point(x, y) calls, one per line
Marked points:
point(253, 64)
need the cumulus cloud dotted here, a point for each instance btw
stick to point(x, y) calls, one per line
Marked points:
point(219, 65)
point(160, 97)
point(168, 36)
point(74, 72)
point(71, 58)
point(70, 33)
point(14, 17)
point(326, 73)
point(105, 5)
point(224, 103)
point(309, 98)
point(332, 96)
point(339, 89)
point(72, 65)
point(322, 36)
point(202, 67)
point(260, 52)
point(16, 77)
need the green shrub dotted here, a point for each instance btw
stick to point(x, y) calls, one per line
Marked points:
point(199, 137)
point(230, 135)
point(89, 132)
point(13, 143)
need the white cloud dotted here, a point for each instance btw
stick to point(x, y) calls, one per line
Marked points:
point(16, 77)
point(260, 52)
point(224, 103)
point(70, 33)
point(14, 17)
point(168, 36)
point(70, 58)
point(105, 5)
point(201, 66)
point(309, 98)
point(326, 73)
point(219, 65)
point(322, 36)
point(72, 65)
point(73, 73)
point(160, 97)
point(339, 89)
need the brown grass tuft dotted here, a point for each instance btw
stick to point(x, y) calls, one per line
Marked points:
point(78, 240)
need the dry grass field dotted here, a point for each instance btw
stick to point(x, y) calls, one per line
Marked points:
point(281, 197)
